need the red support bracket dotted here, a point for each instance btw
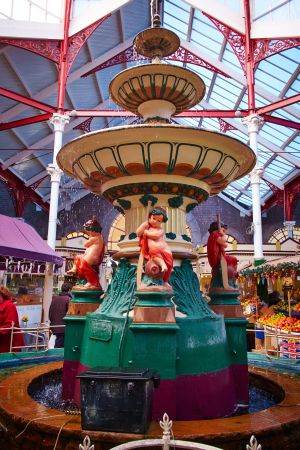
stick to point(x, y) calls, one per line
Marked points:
point(43, 47)
point(85, 126)
point(225, 126)
point(129, 55)
point(263, 48)
point(25, 193)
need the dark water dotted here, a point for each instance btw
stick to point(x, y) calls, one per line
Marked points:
point(48, 392)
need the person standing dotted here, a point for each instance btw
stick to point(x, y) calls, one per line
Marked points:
point(58, 310)
point(8, 318)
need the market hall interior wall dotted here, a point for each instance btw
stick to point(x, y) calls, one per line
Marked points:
point(198, 219)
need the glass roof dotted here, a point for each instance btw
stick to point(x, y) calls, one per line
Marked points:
point(277, 77)
point(50, 11)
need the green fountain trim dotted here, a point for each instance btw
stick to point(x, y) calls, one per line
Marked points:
point(186, 190)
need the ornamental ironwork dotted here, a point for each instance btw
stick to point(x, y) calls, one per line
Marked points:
point(130, 55)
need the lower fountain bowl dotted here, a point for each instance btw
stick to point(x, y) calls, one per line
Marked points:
point(28, 424)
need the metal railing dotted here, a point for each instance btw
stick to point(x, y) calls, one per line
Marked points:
point(276, 343)
point(166, 442)
point(36, 337)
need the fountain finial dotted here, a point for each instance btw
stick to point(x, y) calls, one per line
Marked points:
point(156, 42)
point(155, 13)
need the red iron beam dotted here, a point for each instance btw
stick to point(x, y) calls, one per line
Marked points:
point(279, 121)
point(279, 104)
point(22, 122)
point(26, 100)
point(191, 113)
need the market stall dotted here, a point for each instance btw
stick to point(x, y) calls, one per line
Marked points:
point(23, 258)
point(277, 319)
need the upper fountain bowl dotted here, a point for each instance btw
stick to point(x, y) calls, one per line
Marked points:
point(179, 87)
point(156, 42)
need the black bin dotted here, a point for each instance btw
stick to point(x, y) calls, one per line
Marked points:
point(117, 399)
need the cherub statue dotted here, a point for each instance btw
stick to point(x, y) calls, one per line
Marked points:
point(224, 267)
point(155, 249)
point(86, 266)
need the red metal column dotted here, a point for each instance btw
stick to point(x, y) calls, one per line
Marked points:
point(249, 58)
point(63, 60)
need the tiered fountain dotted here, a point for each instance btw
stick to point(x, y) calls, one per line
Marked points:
point(201, 357)
point(198, 350)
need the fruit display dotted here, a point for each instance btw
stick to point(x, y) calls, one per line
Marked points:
point(250, 304)
point(281, 322)
point(283, 307)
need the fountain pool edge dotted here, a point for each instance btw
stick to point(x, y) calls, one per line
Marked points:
point(273, 427)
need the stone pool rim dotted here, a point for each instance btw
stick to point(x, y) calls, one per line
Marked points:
point(277, 420)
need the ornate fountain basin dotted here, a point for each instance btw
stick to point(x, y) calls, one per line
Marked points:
point(165, 159)
point(136, 85)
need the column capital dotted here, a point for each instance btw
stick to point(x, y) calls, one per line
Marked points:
point(256, 174)
point(253, 122)
point(55, 172)
point(59, 121)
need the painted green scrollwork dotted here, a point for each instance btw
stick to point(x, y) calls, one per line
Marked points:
point(121, 290)
point(190, 207)
point(125, 204)
point(148, 198)
point(171, 235)
point(188, 297)
point(175, 202)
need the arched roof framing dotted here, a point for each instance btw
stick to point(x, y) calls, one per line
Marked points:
point(255, 43)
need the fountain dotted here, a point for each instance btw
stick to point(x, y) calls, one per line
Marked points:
point(198, 350)
point(200, 354)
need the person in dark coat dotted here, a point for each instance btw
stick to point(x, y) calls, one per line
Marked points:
point(58, 310)
point(8, 317)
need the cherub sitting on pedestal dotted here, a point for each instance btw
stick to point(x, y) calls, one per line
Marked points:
point(86, 266)
point(155, 249)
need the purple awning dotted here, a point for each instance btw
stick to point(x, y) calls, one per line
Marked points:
point(20, 240)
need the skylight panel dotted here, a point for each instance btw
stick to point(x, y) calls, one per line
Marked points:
point(227, 83)
point(272, 135)
point(178, 32)
point(179, 5)
point(245, 200)
point(210, 123)
point(32, 10)
point(276, 171)
point(204, 73)
point(203, 23)
point(219, 101)
point(230, 190)
point(242, 182)
point(284, 114)
point(223, 90)
point(275, 11)
point(294, 147)
point(281, 162)
point(282, 133)
point(262, 158)
point(207, 44)
point(171, 20)
point(238, 135)
point(230, 58)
